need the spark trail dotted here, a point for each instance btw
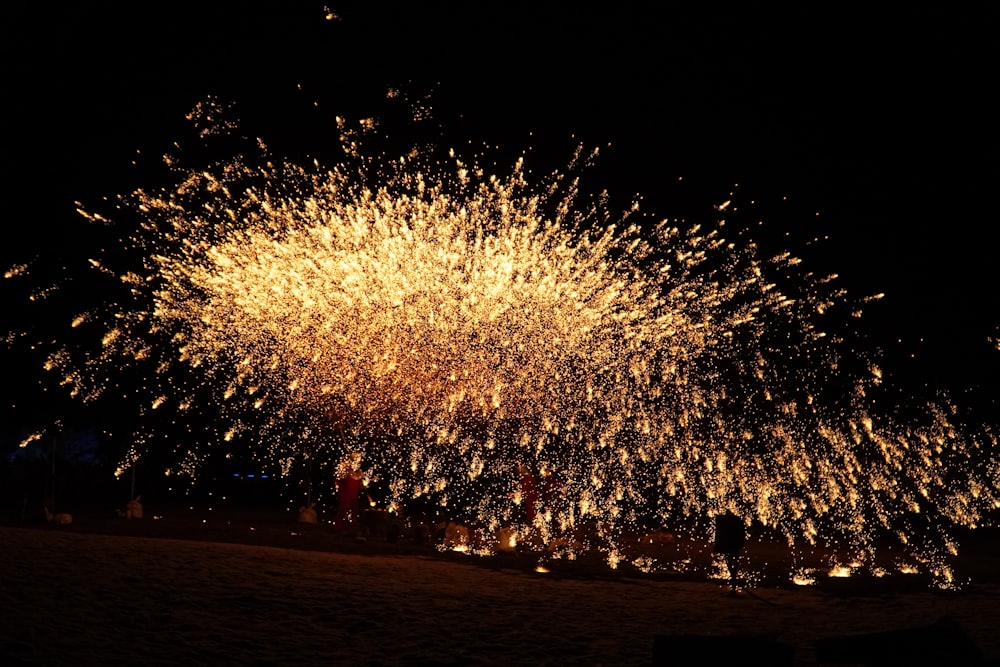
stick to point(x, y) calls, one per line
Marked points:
point(454, 323)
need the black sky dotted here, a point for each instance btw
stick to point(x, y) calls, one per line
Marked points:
point(880, 121)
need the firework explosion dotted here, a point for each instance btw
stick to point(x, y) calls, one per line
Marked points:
point(454, 325)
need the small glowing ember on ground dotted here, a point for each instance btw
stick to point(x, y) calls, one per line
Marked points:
point(803, 578)
point(839, 571)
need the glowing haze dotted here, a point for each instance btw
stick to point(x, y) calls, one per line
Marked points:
point(452, 322)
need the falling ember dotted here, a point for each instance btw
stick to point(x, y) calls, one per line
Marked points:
point(455, 323)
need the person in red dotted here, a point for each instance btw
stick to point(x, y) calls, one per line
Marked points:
point(349, 481)
point(529, 493)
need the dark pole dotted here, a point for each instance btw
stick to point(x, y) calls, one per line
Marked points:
point(52, 496)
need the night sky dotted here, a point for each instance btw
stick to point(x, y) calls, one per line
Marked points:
point(879, 122)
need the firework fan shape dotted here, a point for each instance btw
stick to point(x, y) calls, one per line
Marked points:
point(455, 324)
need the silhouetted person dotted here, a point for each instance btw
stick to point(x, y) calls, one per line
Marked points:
point(729, 539)
point(552, 492)
point(349, 479)
point(529, 492)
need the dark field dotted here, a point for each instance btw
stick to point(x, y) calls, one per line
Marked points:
point(258, 588)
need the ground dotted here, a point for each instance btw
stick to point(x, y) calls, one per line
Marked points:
point(241, 587)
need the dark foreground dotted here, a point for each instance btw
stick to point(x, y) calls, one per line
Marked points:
point(260, 589)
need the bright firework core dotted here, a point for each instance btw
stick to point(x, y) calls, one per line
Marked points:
point(454, 325)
